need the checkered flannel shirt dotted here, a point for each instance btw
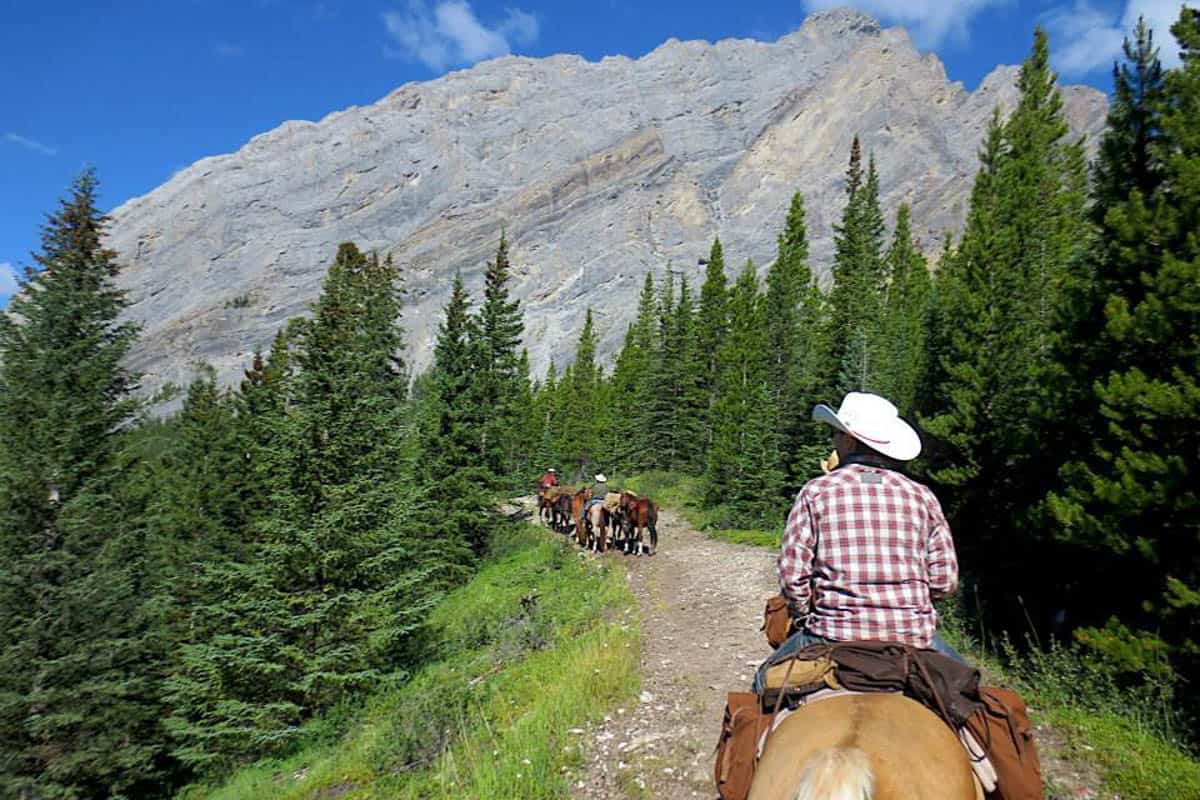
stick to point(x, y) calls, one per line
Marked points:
point(865, 552)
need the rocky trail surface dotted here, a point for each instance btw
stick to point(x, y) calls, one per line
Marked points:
point(701, 602)
point(701, 606)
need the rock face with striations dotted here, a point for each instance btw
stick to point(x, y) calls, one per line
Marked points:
point(597, 171)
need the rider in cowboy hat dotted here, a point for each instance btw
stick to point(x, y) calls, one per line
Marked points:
point(866, 549)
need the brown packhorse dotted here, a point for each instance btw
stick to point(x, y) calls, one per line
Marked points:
point(577, 502)
point(561, 518)
point(546, 498)
point(864, 747)
point(639, 514)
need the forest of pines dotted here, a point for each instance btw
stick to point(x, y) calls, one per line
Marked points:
point(179, 595)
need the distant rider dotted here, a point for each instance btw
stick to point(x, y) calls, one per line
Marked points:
point(548, 480)
point(866, 549)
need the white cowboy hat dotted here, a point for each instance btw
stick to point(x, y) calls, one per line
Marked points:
point(552, 469)
point(875, 422)
point(600, 478)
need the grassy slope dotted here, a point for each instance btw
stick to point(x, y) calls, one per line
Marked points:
point(541, 641)
point(1119, 734)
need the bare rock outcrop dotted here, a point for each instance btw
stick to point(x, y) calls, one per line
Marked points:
point(598, 171)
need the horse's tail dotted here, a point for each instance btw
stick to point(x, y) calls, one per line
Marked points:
point(836, 773)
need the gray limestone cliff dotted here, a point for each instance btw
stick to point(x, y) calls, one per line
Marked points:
point(597, 171)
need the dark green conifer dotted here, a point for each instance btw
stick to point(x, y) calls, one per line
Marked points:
point(743, 472)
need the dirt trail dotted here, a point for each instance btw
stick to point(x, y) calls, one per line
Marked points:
point(701, 603)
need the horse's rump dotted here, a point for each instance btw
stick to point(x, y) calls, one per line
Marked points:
point(911, 754)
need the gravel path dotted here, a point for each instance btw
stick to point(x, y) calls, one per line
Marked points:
point(701, 605)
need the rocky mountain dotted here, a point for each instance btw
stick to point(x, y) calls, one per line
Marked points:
point(598, 171)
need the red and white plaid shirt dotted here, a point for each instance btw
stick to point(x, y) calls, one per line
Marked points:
point(865, 552)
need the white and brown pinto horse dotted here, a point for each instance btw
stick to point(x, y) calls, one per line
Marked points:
point(864, 747)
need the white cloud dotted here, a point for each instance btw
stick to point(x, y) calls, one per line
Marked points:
point(31, 144)
point(930, 22)
point(8, 279)
point(1086, 39)
point(450, 34)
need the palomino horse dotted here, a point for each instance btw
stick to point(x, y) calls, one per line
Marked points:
point(639, 514)
point(597, 523)
point(864, 747)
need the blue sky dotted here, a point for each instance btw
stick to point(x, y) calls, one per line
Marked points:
point(141, 88)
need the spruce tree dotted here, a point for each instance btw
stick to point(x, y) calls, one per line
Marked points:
point(660, 411)
point(796, 346)
point(454, 469)
point(743, 474)
point(497, 381)
point(711, 323)
point(76, 715)
point(632, 386)
point(1130, 508)
point(339, 577)
point(995, 330)
point(581, 426)
point(905, 317)
point(855, 301)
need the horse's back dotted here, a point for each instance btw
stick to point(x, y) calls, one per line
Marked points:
point(913, 755)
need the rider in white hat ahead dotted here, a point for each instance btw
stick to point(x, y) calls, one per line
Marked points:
point(866, 549)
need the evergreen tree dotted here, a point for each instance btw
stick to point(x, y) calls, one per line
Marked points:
point(711, 324)
point(905, 317)
point(454, 469)
point(632, 386)
point(659, 412)
point(743, 473)
point(547, 420)
point(338, 580)
point(76, 716)
point(691, 398)
point(497, 369)
point(1130, 508)
point(855, 302)
point(796, 347)
point(995, 329)
point(581, 425)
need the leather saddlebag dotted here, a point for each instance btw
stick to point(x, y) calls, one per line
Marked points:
point(737, 748)
point(1003, 728)
point(777, 620)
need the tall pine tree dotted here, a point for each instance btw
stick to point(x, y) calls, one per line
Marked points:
point(743, 473)
point(1130, 507)
point(76, 717)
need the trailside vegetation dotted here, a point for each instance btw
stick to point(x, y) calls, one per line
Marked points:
point(183, 596)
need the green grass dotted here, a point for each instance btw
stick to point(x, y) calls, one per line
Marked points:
point(683, 494)
point(540, 642)
point(1131, 737)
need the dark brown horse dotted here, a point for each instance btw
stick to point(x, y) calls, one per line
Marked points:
point(561, 519)
point(546, 498)
point(578, 500)
point(640, 514)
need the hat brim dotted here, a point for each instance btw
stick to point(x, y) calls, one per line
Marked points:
point(903, 443)
point(823, 413)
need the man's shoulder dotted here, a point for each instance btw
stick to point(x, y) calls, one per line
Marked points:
point(825, 483)
point(851, 474)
